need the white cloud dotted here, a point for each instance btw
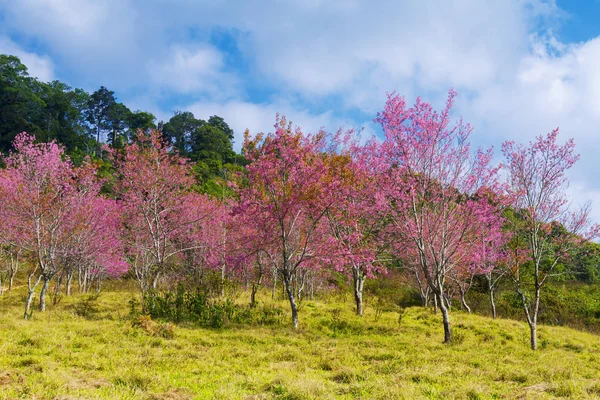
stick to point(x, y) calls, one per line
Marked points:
point(98, 40)
point(579, 194)
point(361, 50)
point(39, 66)
point(556, 85)
point(188, 71)
point(316, 48)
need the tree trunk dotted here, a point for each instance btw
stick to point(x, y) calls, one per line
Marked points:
point(68, 284)
point(424, 292)
point(83, 280)
point(493, 303)
point(255, 286)
point(30, 293)
point(531, 314)
point(446, 318)
point(43, 294)
point(155, 281)
point(435, 304)
point(253, 295)
point(533, 330)
point(463, 293)
point(424, 297)
point(14, 267)
point(301, 283)
point(533, 319)
point(57, 289)
point(359, 281)
point(290, 292)
point(223, 281)
point(448, 301)
point(274, 284)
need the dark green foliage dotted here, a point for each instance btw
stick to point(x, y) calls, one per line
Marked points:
point(209, 146)
point(200, 308)
point(87, 307)
point(106, 116)
point(21, 105)
point(179, 129)
point(220, 124)
point(585, 263)
point(573, 304)
point(141, 120)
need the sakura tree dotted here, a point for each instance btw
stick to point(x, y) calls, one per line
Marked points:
point(210, 242)
point(432, 180)
point(288, 193)
point(484, 250)
point(537, 182)
point(247, 256)
point(358, 217)
point(41, 191)
point(154, 186)
point(98, 249)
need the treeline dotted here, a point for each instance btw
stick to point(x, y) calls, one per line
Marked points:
point(297, 210)
point(83, 122)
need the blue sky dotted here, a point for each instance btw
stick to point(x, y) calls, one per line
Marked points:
point(521, 67)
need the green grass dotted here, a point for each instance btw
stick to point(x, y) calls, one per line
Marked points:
point(60, 355)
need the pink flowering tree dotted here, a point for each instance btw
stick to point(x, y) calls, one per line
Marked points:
point(98, 249)
point(41, 193)
point(247, 259)
point(432, 180)
point(537, 183)
point(484, 250)
point(154, 186)
point(288, 193)
point(489, 257)
point(358, 217)
point(210, 242)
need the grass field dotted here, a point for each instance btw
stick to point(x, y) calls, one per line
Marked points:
point(334, 355)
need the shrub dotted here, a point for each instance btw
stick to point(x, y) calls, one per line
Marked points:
point(198, 307)
point(154, 328)
point(87, 306)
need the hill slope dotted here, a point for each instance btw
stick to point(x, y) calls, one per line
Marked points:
point(334, 355)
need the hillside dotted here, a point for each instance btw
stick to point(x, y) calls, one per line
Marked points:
point(91, 349)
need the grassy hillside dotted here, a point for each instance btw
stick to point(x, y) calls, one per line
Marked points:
point(91, 349)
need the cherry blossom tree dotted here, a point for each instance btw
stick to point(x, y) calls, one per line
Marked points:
point(432, 180)
point(288, 193)
point(537, 182)
point(154, 186)
point(484, 250)
point(210, 242)
point(97, 246)
point(358, 217)
point(41, 191)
